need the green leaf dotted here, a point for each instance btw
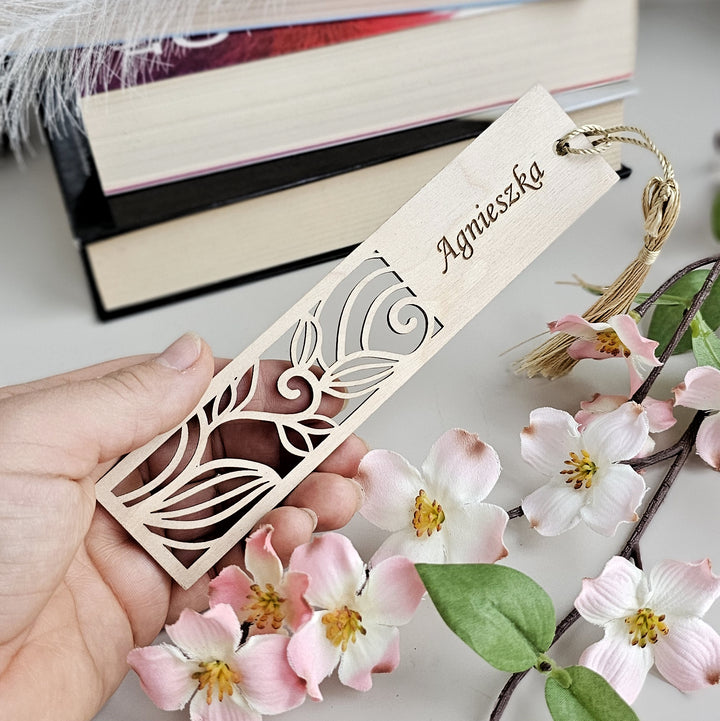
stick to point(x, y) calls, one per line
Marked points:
point(715, 216)
point(588, 698)
point(667, 317)
point(705, 344)
point(501, 613)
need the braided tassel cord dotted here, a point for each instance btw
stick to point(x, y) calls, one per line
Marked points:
point(660, 205)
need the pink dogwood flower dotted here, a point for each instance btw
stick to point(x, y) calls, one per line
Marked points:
point(586, 481)
point(360, 610)
point(267, 598)
point(659, 414)
point(221, 681)
point(436, 514)
point(701, 390)
point(618, 338)
point(655, 618)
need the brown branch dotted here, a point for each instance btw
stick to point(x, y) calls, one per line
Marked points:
point(697, 301)
point(643, 307)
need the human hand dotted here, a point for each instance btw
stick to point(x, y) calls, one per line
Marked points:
point(77, 592)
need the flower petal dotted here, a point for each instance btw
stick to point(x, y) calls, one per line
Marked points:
point(689, 656)
point(423, 549)
point(460, 466)
point(231, 586)
point(602, 403)
point(212, 635)
point(165, 675)
point(596, 406)
point(618, 435)
point(622, 665)
point(261, 561)
point(548, 439)
point(577, 326)
point(392, 593)
point(660, 414)
point(267, 680)
point(554, 508)
point(618, 591)
point(685, 589)
point(700, 389)
point(335, 569)
point(707, 443)
point(231, 708)
point(296, 607)
point(582, 348)
point(391, 485)
point(377, 652)
point(311, 655)
point(616, 494)
point(474, 533)
point(642, 350)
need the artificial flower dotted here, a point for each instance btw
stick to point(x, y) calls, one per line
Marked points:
point(436, 513)
point(360, 610)
point(659, 414)
point(225, 683)
point(618, 338)
point(654, 618)
point(701, 390)
point(586, 480)
point(267, 598)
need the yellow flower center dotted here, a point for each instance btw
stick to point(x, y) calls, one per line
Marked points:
point(644, 626)
point(427, 517)
point(265, 606)
point(342, 626)
point(214, 674)
point(608, 342)
point(581, 471)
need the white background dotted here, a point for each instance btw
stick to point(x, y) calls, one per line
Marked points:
point(48, 327)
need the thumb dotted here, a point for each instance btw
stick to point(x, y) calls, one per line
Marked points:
point(49, 436)
point(73, 427)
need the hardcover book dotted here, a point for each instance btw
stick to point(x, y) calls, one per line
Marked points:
point(248, 112)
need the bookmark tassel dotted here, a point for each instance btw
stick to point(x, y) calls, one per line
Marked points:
point(660, 204)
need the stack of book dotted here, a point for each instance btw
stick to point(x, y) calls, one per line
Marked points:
point(241, 153)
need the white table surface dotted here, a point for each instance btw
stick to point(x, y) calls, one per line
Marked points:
point(48, 326)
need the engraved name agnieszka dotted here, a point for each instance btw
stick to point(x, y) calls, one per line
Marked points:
point(462, 245)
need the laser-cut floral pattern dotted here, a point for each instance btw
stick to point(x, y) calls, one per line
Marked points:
point(346, 347)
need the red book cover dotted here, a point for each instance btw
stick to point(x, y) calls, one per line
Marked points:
point(173, 57)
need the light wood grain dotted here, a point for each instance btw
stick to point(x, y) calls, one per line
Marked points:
point(369, 325)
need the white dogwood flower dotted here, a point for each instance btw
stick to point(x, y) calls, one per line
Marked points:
point(654, 618)
point(586, 481)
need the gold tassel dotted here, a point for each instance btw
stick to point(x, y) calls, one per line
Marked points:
point(660, 204)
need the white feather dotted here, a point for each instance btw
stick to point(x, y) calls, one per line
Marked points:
point(55, 49)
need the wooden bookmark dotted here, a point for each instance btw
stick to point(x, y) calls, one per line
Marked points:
point(357, 336)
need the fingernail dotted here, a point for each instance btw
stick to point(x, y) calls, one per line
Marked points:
point(313, 516)
point(181, 354)
point(359, 492)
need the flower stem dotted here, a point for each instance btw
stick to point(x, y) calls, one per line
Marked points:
point(681, 450)
point(643, 307)
point(697, 301)
point(645, 462)
point(506, 693)
point(685, 445)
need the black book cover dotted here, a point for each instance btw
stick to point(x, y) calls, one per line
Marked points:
point(95, 216)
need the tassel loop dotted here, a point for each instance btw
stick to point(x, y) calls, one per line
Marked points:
point(660, 205)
